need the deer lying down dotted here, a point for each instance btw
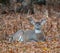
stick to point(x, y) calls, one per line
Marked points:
point(28, 35)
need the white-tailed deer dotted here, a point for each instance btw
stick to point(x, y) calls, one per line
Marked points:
point(28, 35)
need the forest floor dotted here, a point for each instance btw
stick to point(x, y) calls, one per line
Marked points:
point(10, 23)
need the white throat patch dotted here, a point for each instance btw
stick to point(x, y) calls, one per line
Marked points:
point(37, 31)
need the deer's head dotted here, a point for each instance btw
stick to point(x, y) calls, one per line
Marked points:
point(37, 25)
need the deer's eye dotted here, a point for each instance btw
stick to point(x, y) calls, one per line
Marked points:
point(38, 23)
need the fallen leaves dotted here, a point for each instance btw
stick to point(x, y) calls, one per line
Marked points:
point(31, 47)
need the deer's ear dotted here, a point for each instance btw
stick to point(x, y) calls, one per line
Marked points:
point(43, 21)
point(31, 20)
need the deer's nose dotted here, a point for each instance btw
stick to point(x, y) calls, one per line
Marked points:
point(37, 29)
